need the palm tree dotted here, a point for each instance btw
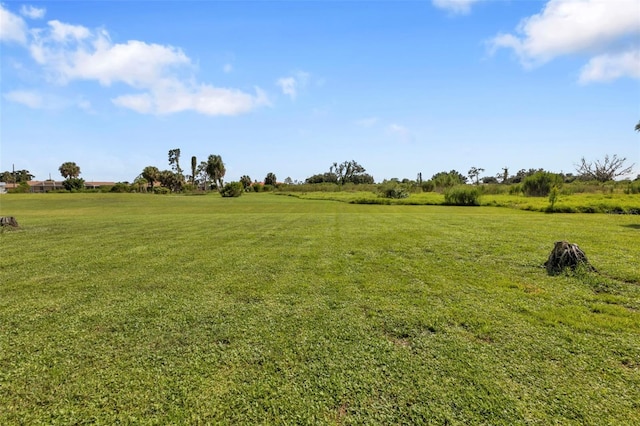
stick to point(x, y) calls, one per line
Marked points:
point(69, 170)
point(638, 127)
point(216, 170)
point(141, 183)
point(151, 174)
point(194, 164)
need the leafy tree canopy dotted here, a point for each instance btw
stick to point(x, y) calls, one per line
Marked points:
point(216, 170)
point(69, 170)
point(448, 179)
point(16, 177)
point(270, 179)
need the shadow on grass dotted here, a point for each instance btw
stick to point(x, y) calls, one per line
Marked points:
point(633, 226)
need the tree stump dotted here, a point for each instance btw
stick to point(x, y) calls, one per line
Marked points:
point(566, 255)
point(9, 221)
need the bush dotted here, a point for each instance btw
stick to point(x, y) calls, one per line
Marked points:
point(633, 188)
point(120, 187)
point(462, 195)
point(494, 188)
point(428, 186)
point(161, 190)
point(22, 188)
point(73, 184)
point(515, 189)
point(540, 183)
point(393, 190)
point(232, 189)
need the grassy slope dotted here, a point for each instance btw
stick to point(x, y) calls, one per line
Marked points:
point(262, 309)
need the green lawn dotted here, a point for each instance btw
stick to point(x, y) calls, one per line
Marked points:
point(135, 308)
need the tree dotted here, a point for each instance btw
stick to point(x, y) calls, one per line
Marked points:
point(448, 179)
point(522, 174)
point(152, 175)
point(194, 165)
point(170, 179)
point(16, 176)
point(323, 178)
point(474, 174)
point(605, 170)
point(216, 170)
point(202, 175)
point(246, 182)
point(638, 127)
point(540, 183)
point(270, 179)
point(505, 175)
point(288, 181)
point(347, 170)
point(73, 184)
point(174, 160)
point(141, 183)
point(69, 170)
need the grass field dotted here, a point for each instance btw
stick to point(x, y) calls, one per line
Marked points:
point(618, 203)
point(265, 309)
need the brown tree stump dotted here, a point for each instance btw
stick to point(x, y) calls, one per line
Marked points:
point(9, 221)
point(566, 255)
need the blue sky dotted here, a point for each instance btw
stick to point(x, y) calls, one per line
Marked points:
point(290, 87)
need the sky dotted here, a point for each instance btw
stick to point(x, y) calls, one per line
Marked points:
point(290, 87)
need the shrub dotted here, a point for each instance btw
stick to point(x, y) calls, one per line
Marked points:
point(257, 187)
point(161, 190)
point(120, 187)
point(232, 189)
point(515, 189)
point(540, 183)
point(428, 186)
point(633, 188)
point(553, 197)
point(494, 188)
point(462, 195)
point(73, 184)
point(22, 188)
point(393, 190)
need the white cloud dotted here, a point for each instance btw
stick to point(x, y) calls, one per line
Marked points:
point(25, 97)
point(609, 67)
point(578, 27)
point(49, 101)
point(204, 99)
point(401, 131)
point(162, 74)
point(12, 27)
point(62, 32)
point(455, 6)
point(32, 12)
point(288, 86)
point(291, 85)
point(367, 122)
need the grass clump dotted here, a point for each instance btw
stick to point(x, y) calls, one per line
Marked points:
point(462, 195)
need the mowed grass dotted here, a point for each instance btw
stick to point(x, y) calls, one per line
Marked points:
point(133, 308)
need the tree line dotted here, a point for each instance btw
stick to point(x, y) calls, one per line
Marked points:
point(209, 176)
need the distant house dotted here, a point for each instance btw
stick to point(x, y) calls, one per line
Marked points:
point(51, 185)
